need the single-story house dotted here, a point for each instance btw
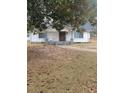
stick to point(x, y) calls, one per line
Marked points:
point(65, 35)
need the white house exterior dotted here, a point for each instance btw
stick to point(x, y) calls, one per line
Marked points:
point(55, 36)
point(66, 35)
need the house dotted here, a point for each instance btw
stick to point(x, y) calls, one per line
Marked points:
point(65, 35)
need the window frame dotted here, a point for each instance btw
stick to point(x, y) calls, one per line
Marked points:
point(78, 34)
point(42, 35)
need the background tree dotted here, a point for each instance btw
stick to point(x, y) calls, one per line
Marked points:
point(57, 13)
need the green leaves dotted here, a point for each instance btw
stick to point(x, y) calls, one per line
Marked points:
point(62, 12)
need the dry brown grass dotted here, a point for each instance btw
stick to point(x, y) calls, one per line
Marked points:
point(55, 70)
point(89, 45)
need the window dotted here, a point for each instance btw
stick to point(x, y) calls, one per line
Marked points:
point(78, 35)
point(42, 35)
point(28, 34)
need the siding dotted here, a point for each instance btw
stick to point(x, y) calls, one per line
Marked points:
point(86, 38)
point(54, 36)
point(35, 38)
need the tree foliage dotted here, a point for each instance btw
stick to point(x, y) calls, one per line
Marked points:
point(57, 13)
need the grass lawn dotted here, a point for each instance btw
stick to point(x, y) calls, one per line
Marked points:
point(88, 45)
point(52, 69)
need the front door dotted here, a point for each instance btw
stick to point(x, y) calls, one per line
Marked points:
point(62, 36)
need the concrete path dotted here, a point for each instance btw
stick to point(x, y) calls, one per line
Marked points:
point(79, 49)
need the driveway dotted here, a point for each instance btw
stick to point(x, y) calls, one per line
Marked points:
point(79, 49)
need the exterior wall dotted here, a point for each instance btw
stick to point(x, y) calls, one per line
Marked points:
point(53, 36)
point(86, 38)
point(35, 38)
point(69, 35)
point(28, 38)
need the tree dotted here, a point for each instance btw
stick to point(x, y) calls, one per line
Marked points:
point(61, 12)
point(35, 14)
